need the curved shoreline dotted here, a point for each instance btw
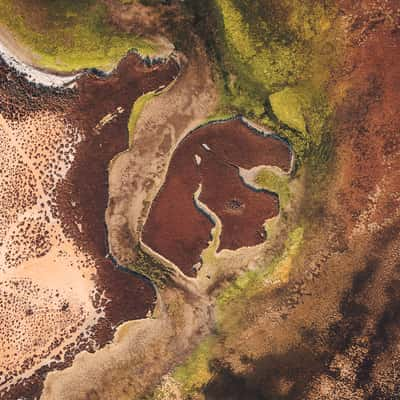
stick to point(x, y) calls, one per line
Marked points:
point(35, 75)
point(12, 53)
point(255, 128)
point(149, 234)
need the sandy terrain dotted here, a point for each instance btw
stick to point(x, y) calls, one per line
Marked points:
point(61, 293)
point(133, 180)
point(327, 331)
point(46, 279)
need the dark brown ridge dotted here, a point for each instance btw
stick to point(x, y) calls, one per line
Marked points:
point(178, 230)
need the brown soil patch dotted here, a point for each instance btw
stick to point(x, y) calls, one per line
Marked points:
point(332, 332)
point(143, 19)
point(211, 156)
point(59, 288)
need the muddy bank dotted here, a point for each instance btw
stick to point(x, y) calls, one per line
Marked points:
point(136, 174)
point(211, 156)
point(62, 142)
point(35, 75)
point(82, 197)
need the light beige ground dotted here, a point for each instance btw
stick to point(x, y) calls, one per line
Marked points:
point(46, 285)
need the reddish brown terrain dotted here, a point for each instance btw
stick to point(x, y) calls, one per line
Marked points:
point(212, 156)
point(338, 335)
point(82, 197)
point(56, 147)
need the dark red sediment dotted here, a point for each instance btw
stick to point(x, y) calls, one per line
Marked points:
point(86, 183)
point(175, 228)
point(211, 156)
point(19, 98)
point(81, 198)
point(241, 209)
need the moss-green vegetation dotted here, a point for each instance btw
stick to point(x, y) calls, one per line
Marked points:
point(218, 117)
point(275, 43)
point(274, 60)
point(232, 302)
point(287, 105)
point(68, 35)
point(150, 268)
point(137, 109)
point(304, 108)
point(195, 372)
point(276, 183)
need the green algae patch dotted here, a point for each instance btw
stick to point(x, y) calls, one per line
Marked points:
point(304, 109)
point(287, 105)
point(283, 264)
point(137, 109)
point(68, 35)
point(139, 105)
point(268, 45)
point(218, 117)
point(145, 265)
point(194, 374)
point(276, 183)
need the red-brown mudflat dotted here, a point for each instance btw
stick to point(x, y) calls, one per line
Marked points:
point(211, 156)
point(83, 196)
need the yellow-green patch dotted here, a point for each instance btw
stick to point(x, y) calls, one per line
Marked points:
point(276, 183)
point(276, 58)
point(195, 372)
point(137, 109)
point(232, 302)
point(287, 105)
point(67, 35)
